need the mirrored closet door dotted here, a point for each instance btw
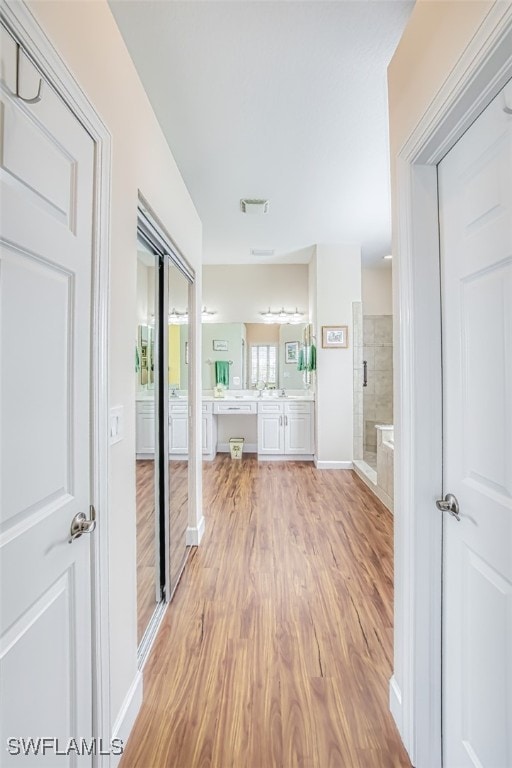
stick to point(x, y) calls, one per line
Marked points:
point(179, 421)
point(149, 593)
point(162, 424)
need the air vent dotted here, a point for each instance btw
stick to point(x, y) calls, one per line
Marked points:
point(254, 206)
point(262, 251)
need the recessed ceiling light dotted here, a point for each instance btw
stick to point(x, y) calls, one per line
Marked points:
point(389, 256)
point(250, 205)
point(262, 251)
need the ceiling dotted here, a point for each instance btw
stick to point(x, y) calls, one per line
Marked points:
point(285, 101)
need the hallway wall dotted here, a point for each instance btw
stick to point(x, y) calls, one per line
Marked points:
point(436, 36)
point(87, 37)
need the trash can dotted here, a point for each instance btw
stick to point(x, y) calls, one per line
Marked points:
point(236, 446)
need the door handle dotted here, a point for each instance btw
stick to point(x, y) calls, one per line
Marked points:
point(80, 524)
point(365, 373)
point(449, 504)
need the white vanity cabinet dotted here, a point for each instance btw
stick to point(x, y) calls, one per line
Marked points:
point(285, 429)
point(208, 431)
point(178, 428)
point(145, 428)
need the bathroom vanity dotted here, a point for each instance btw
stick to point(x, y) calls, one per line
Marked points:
point(283, 426)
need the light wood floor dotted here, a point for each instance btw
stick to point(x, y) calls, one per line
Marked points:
point(276, 651)
point(146, 589)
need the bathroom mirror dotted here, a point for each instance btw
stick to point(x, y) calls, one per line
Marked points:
point(267, 352)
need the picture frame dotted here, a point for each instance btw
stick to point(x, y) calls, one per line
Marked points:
point(219, 345)
point(291, 352)
point(334, 336)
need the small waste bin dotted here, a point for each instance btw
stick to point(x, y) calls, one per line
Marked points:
point(236, 446)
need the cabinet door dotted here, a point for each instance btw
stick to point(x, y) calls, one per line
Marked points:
point(178, 433)
point(145, 432)
point(297, 433)
point(270, 433)
point(206, 422)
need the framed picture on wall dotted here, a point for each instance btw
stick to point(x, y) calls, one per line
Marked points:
point(220, 345)
point(291, 351)
point(334, 336)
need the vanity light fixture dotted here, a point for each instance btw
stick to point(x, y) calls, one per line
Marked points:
point(207, 314)
point(177, 318)
point(283, 316)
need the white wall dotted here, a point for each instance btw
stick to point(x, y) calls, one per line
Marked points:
point(435, 38)
point(377, 290)
point(337, 283)
point(86, 36)
point(239, 293)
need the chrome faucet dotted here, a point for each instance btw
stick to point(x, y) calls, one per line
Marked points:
point(282, 393)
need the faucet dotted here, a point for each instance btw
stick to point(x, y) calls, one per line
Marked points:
point(173, 392)
point(282, 393)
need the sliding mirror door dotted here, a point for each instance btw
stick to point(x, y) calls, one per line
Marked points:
point(149, 592)
point(178, 286)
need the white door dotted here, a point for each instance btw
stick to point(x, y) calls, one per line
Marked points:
point(475, 188)
point(46, 187)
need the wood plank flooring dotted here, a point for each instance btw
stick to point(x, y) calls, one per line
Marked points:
point(146, 572)
point(276, 650)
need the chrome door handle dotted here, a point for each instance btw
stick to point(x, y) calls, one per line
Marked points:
point(449, 504)
point(80, 524)
point(365, 373)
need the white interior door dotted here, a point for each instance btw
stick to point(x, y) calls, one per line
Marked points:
point(475, 190)
point(46, 178)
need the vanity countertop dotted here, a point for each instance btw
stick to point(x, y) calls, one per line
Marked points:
point(234, 397)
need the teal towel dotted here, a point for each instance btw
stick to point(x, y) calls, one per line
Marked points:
point(137, 360)
point(301, 366)
point(222, 372)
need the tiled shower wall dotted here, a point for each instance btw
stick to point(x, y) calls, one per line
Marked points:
point(378, 394)
point(357, 341)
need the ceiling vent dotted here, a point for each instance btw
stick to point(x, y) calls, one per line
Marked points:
point(254, 206)
point(262, 251)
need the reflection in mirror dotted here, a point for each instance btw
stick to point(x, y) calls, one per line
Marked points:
point(178, 376)
point(257, 353)
point(148, 577)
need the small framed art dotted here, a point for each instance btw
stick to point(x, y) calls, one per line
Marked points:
point(334, 336)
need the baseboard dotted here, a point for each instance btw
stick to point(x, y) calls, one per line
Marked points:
point(248, 448)
point(333, 464)
point(194, 535)
point(367, 474)
point(395, 704)
point(127, 716)
point(285, 457)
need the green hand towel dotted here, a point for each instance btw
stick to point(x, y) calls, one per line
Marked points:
point(222, 372)
point(301, 366)
point(312, 358)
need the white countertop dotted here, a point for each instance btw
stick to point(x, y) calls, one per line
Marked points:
point(233, 396)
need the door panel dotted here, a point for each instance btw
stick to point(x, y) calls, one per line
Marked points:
point(179, 425)
point(46, 185)
point(475, 195)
